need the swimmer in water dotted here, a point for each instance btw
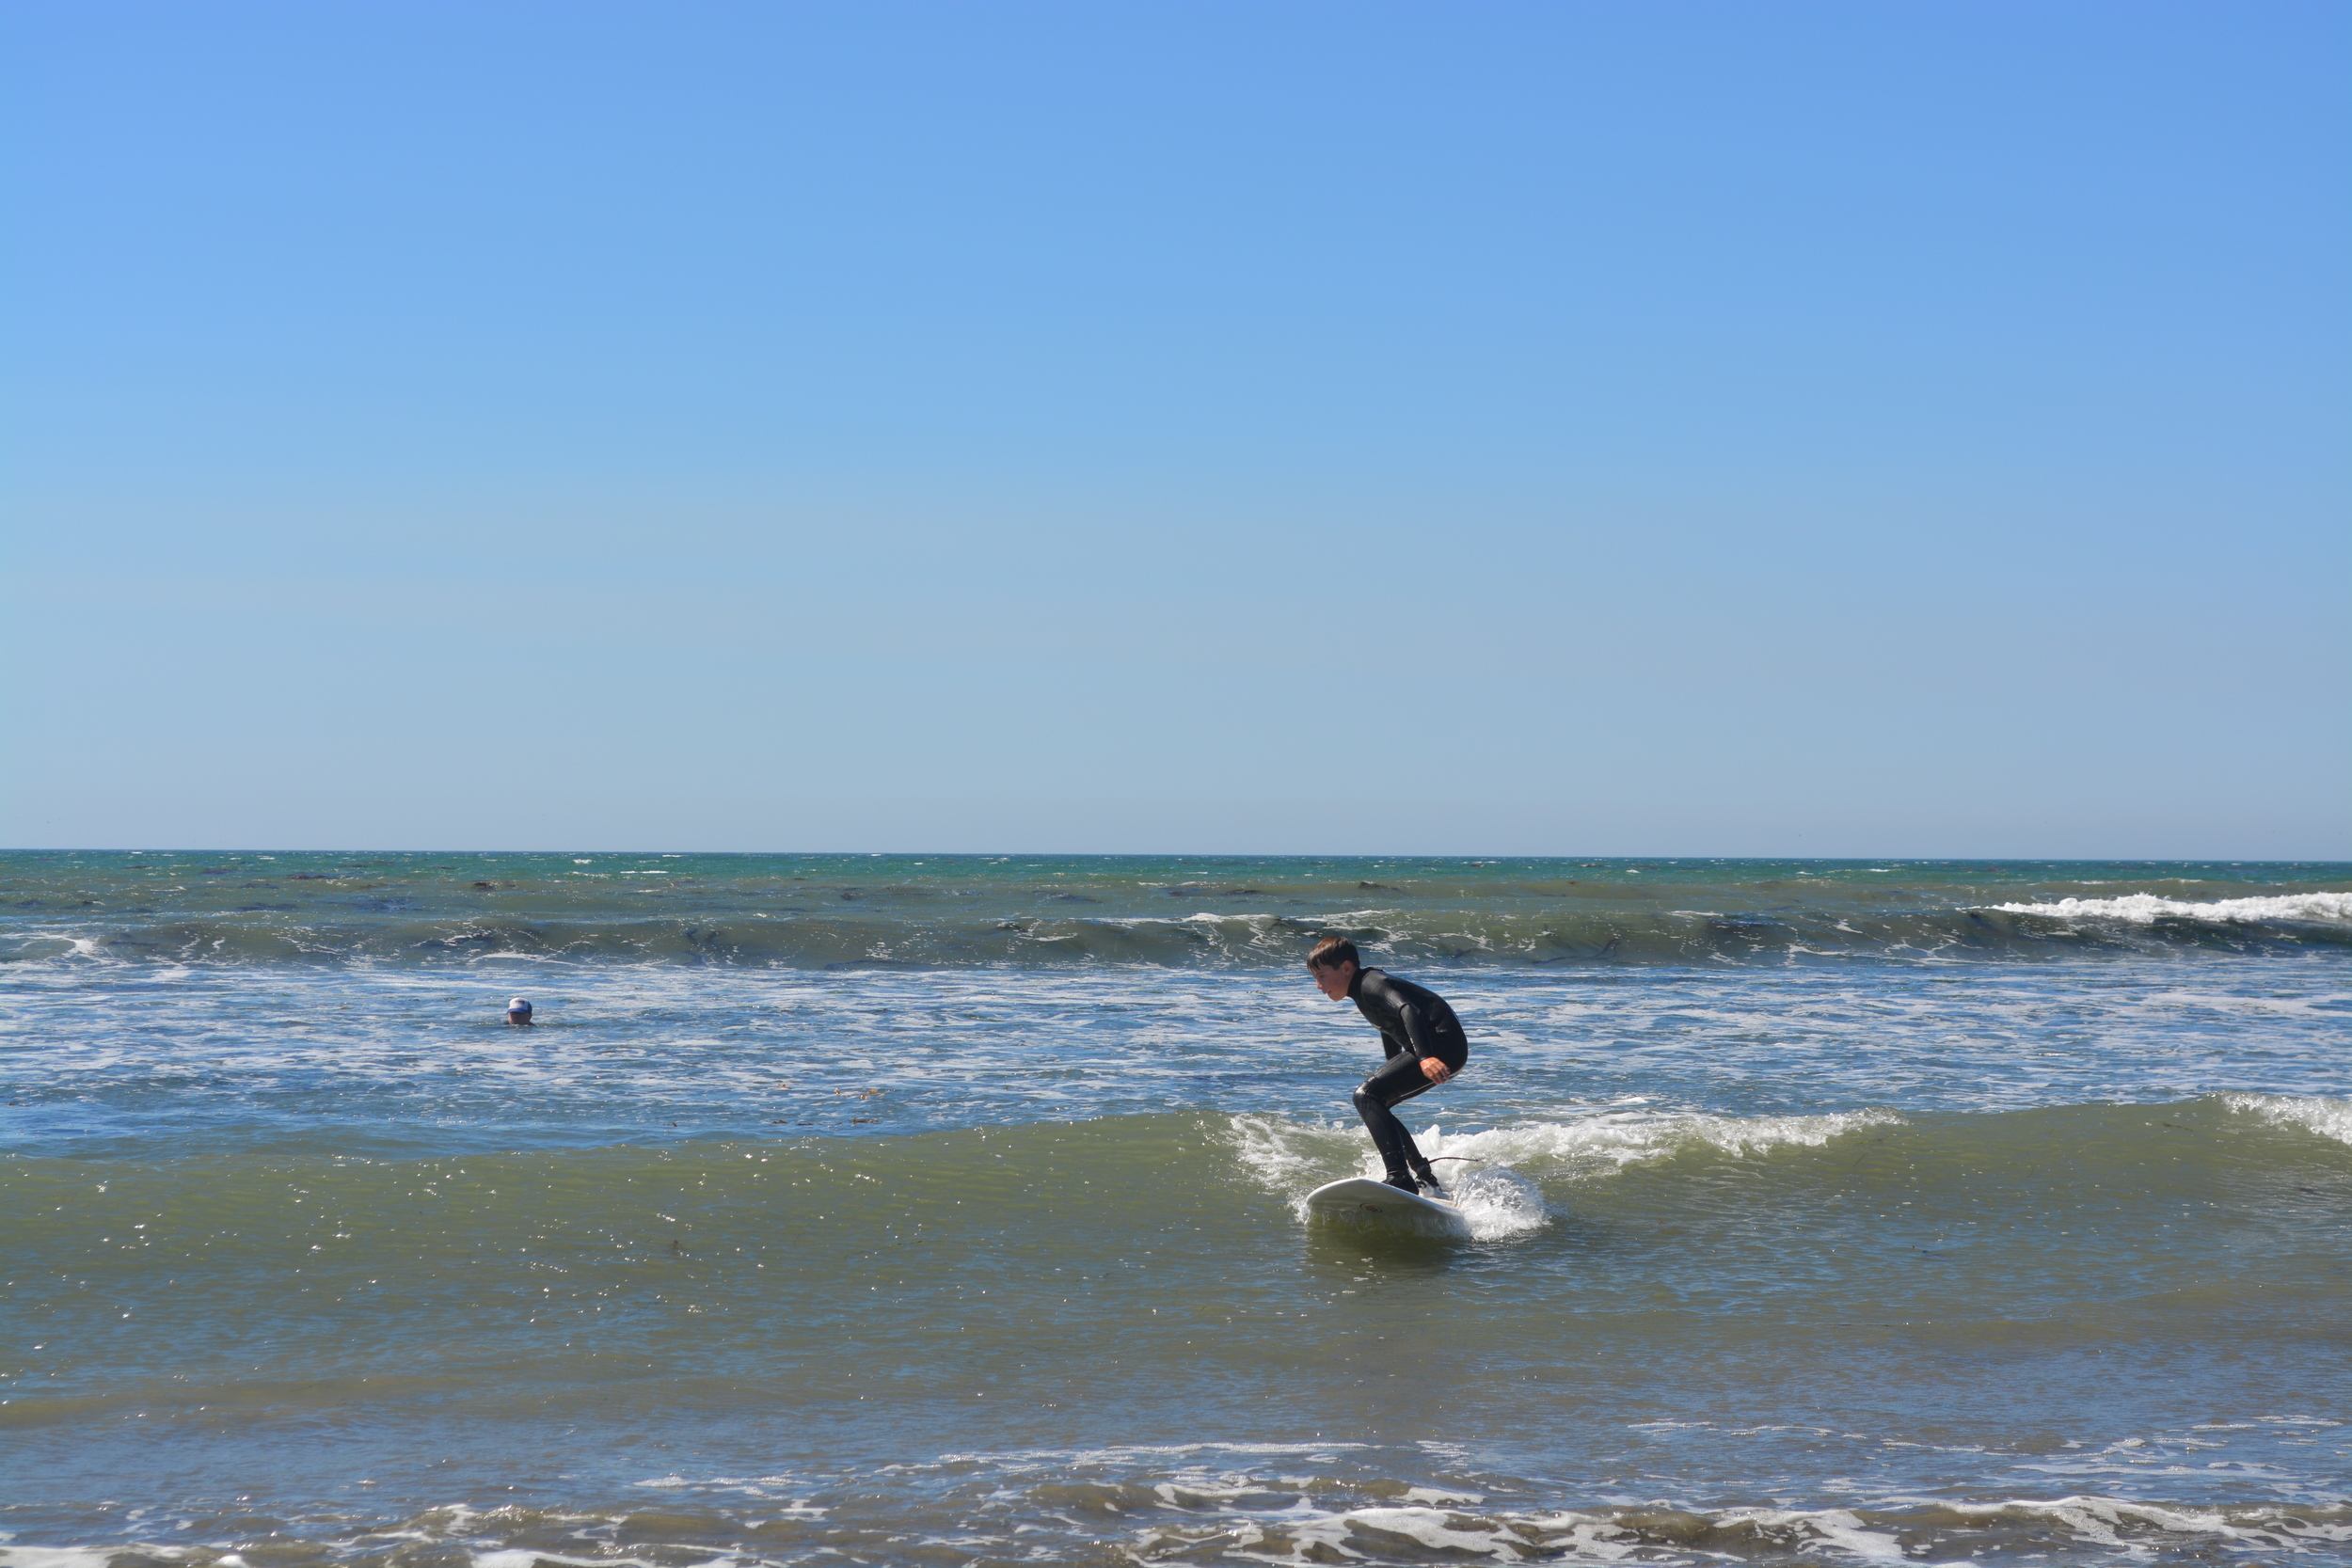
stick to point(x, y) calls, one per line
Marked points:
point(519, 1012)
point(1426, 1044)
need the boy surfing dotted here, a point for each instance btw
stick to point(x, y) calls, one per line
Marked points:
point(1425, 1046)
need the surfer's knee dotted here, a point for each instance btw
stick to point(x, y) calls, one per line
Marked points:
point(1368, 1105)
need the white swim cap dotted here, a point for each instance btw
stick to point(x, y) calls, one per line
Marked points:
point(518, 1006)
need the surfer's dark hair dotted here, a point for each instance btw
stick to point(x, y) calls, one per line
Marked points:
point(1332, 952)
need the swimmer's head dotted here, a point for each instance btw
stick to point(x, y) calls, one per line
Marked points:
point(518, 1010)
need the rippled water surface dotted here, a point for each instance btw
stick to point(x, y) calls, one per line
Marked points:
point(943, 1211)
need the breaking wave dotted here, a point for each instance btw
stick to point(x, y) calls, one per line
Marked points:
point(1212, 1501)
point(879, 912)
point(1567, 937)
point(2148, 908)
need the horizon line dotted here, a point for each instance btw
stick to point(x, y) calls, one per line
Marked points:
point(1215, 854)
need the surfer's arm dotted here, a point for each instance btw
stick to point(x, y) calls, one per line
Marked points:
point(1425, 1044)
point(1404, 1014)
point(1417, 1030)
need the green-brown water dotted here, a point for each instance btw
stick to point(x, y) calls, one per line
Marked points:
point(2022, 1248)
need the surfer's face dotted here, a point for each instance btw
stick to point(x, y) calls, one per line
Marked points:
point(1333, 982)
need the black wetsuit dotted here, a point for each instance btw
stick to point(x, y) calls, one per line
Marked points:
point(1414, 1021)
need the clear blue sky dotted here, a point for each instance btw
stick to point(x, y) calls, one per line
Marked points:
point(1894, 428)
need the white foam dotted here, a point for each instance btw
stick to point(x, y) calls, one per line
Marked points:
point(1435, 1529)
point(1625, 1138)
point(2329, 1119)
point(1027, 1460)
point(1233, 1514)
point(1483, 1172)
point(1495, 1204)
point(523, 1557)
point(1282, 1153)
point(1832, 1527)
point(1313, 1534)
point(1294, 1158)
point(61, 1556)
point(2100, 1521)
point(2146, 909)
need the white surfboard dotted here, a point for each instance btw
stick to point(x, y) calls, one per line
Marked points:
point(1361, 1201)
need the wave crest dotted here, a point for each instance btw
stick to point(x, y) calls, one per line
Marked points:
point(2329, 1119)
point(2148, 908)
point(1261, 939)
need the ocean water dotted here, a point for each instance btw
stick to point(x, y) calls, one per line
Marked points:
point(944, 1209)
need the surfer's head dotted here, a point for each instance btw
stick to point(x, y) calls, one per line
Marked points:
point(518, 1010)
point(1333, 964)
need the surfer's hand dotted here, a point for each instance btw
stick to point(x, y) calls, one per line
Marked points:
point(1434, 1071)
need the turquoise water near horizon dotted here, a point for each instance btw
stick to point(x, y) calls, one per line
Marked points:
point(944, 1209)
